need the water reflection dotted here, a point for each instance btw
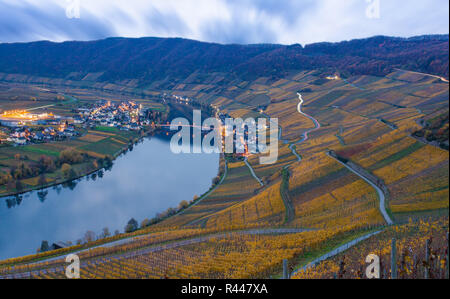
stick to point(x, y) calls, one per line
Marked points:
point(142, 183)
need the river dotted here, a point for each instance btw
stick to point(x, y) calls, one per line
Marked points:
point(142, 183)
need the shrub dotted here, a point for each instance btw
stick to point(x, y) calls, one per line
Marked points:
point(71, 156)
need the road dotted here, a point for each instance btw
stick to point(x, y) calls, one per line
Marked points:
point(72, 99)
point(380, 192)
point(253, 172)
point(157, 248)
point(434, 76)
point(305, 136)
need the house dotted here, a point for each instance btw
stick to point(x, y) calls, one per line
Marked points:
point(21, 141)
point(59, 245)
point(68, 133)
point(78, 120)
point(9, 123)
point(39, 136)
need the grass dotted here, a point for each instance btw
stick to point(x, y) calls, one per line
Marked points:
point(40, 150)
point(106, 147)
point(107, 129)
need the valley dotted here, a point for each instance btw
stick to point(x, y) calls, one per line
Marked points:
point(349, 171)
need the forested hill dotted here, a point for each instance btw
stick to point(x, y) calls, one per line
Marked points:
point(149, 59)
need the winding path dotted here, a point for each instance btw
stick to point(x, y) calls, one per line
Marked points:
point(305, 136)
point(252, 171)
point(381, 195)
point(434, 76)
point(380, 192)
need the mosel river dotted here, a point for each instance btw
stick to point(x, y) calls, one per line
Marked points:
point(142, 183)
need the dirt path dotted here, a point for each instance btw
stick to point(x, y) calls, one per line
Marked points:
point(305, 136)
point(157, 248)
point(380, 192)
point(252, 171)
point(434, 76)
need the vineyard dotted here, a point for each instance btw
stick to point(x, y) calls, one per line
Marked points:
point(251, 254)
point(238, 229)
point(421, 252)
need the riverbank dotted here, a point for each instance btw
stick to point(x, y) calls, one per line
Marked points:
point(139, 186)
point(99, 157)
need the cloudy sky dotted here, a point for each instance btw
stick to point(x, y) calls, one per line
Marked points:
point(223, 21)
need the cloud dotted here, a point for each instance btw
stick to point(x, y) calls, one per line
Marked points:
point(224, 21)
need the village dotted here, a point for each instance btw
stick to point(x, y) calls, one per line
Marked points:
point(22, 128)
point(125, 115)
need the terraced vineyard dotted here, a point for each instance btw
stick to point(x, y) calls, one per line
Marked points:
point(237, 230)
point(411, 259)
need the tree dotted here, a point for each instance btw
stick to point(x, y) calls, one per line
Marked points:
point(108, 164)
point(216, 180)
point(42, 181)
point(183, 205)
point(89, 236)
point(106, 233)
point(19, 185)
point(5, 178)
point(44, 246)
point(46, 164)
point(72, 174)
point(71, 156)
point(10, 185)
point(145, 223)
point(66, 170)
point(132, 226)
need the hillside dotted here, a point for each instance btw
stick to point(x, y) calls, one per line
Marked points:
point(349, 170)
point(148, 59)
point(243, 230)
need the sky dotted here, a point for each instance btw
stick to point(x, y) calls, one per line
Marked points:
point(222, 21)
